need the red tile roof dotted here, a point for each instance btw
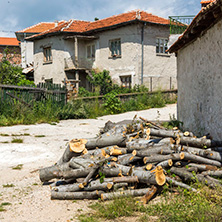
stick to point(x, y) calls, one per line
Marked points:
point(40, 27)
point(6, 41)
point(85, 26)
point(206, 1)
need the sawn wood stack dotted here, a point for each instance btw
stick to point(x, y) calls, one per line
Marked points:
point(133, 157)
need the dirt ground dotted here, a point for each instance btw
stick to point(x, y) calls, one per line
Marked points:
point(43, 145)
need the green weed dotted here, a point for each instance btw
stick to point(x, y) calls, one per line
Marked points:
point(17, 140)
point(8, 185)
point(18, 167)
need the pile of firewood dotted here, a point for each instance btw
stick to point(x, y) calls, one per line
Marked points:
point(135, 158)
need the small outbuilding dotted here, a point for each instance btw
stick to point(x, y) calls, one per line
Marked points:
point(199, 72)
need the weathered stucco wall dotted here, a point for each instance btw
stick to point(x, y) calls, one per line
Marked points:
point(200, 84)
point(158, 70)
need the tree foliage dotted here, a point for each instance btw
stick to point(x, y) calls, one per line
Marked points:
point(102, 80)
point(11, 74)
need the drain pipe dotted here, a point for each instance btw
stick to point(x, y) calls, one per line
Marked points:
point(142, 53)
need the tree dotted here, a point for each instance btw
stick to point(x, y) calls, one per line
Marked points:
point(11, 74)
point(103, 80)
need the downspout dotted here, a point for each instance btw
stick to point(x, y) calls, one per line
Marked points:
point(142, 52)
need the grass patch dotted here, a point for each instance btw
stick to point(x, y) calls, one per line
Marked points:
point(119, 207)
point(39, 136)
point(4, 134)
point(17, 140)
point(8, 185)
point(18, 167)
point(203, 205)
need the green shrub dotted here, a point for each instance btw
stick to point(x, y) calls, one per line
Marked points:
point(112, 104)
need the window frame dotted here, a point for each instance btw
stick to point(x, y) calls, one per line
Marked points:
point(128, 84)
point(115, 48)
point(92, 51)
point(47, 54)
point(161, 46)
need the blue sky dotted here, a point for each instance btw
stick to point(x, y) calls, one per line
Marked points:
point(19, 14)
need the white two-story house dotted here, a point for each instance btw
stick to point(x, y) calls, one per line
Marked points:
point(131, 46)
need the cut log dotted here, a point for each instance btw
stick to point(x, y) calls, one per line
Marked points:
point(48, 173)
point(75, 195)
point(140, 144)
point(113, 195)
point(189, 141)
point(202, 167)
point(179, 184)
point(92, 186)
point(146, 198)
point(166, 163)
point(199, 159)
point(208, 181)
point(104, 141)
point(217, 173)
point(160, 176)
point(77, 173)
point(128, 158)
point(204, 153)
point(155, 150)
point(116, 151)
point(183, 173)
point(160, 158)
point(124, 179)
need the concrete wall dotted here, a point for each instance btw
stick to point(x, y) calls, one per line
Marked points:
point(159, 69)
point(200, 84)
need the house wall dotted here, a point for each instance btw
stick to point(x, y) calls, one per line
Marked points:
point(60, 50)
point(158, 70)
point(199, 84)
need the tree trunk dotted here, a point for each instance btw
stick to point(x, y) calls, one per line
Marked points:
point(140, 144)
point(124, 179)
point(76, 195)
point(127, 159)
point(217, 173)
point(202, 167)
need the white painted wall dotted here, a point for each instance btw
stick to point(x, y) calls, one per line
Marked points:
point(200, 84)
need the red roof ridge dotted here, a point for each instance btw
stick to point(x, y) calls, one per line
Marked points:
point(40, 23)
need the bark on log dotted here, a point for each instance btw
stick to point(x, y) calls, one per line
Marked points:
point(75, 195)
point(166, 163)
point(92, 186)
point(155, 150)
point(127, 159)
point(208, 181)
point(189, 141)
point(124, 179)
point(204, 153)
point(202, 167)
point(183, 173)
point(113, 195)
point(140, 144)
point(160, 158)
point(48, 173)
point(217, 173)
point(199, 159)
point(111, 140)
point(72, 173)
point(179, 184)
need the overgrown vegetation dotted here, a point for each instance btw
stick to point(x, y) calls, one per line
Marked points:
point(11, 74)
point(177, 205)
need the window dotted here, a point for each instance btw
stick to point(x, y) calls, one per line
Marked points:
point(90, 51)
point(47, 54)
point(125, 81)
point(161, 45)
point(115, 47)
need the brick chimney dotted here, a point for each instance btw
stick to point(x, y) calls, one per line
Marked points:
point(204, 3)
